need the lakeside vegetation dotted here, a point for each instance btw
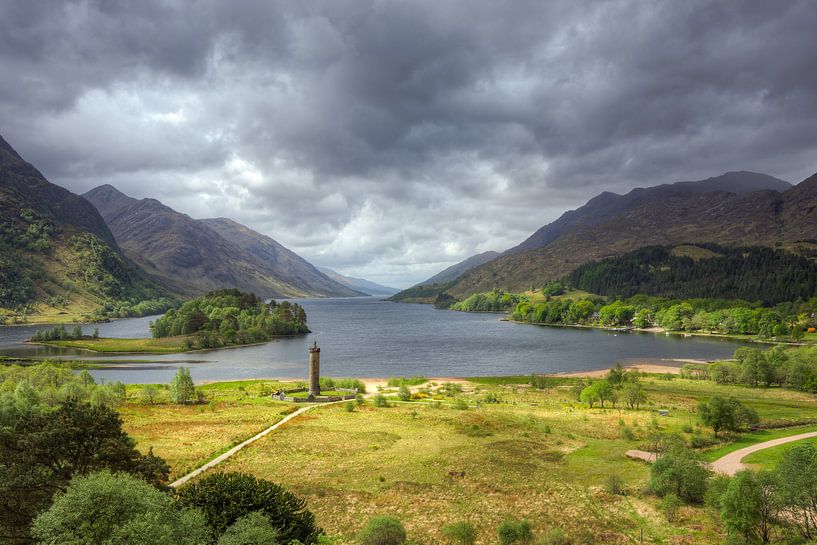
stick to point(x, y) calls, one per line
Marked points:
point(220, 318)
point(557, 304)
point(168, 345)
point(229, 316)
point(75, 338)
point(790, 367)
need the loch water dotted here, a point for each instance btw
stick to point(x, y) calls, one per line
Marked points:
point(369, 337)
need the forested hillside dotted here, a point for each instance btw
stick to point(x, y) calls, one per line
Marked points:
point(702, 271)
point(58, 260)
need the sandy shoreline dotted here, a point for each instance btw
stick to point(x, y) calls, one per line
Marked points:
point(372, 383)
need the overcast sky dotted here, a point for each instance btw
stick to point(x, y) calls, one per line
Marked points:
point(389, 139)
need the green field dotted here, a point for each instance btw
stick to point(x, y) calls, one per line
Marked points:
point(536, 454)
point(189, 435)
point(168, 345)
point(770, 457)
point(755, 437)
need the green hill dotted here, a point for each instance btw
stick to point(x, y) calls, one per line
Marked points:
point(58, 260)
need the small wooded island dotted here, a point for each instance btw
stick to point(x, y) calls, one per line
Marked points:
point(221, 318)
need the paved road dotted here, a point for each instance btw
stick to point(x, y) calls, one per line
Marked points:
point(215, 461)
point(731, 463)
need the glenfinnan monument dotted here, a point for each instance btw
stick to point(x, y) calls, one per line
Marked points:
point(314, 370)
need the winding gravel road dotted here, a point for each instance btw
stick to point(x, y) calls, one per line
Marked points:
point(731, 463)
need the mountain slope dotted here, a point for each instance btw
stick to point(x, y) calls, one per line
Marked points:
point(455, 271)
point(607, 205)
point(753, 213)
point(195, 256)
point(284, 263)
point(360, 284)
point(58, 259)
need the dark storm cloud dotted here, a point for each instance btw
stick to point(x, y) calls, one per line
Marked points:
point(391, 138)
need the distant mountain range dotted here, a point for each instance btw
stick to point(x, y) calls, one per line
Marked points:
point(359, 284)
point(193, 256)
point(734, 209)
point(57, 255)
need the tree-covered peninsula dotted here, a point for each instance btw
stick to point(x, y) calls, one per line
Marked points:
point(229, 316)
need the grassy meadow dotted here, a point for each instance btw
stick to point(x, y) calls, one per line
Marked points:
point(167, 345)
point(189, 435)
point(514, 452)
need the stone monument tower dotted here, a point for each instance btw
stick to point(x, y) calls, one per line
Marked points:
point(314, 370)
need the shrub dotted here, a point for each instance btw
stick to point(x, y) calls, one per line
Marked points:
point(540, 382)
point(679, 471)
point(515, 531)
point(409, 381)
point(615, 485)
point(556, 536)
point(670, 505)
point(148, 394)
point(460, 533)
point(460, 404)
point(383, 531)
point(380, 401)
point(252, 529)
point(727, 414)
point(226, 497)
point(404, 393)
point(113, 508)
point(360, 400)
point(349, 406)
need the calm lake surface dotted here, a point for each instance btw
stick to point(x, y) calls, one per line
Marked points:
point(367, 337)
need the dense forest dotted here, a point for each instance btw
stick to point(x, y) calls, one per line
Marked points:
point(752, 274)
point(229, 316)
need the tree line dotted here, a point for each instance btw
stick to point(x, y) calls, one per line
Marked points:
point(784, 320)
point(787, 367)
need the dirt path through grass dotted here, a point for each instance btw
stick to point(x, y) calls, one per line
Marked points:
point(731, 463)
point(218, 459)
